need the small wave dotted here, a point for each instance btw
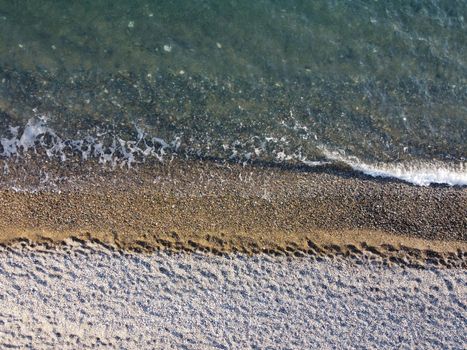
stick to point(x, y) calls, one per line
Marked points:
point(116, 151)
point(113, 151)
point(417, 173)
point(315, 163)
point(110, 149)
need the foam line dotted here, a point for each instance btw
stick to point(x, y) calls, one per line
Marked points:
point(120, 152)
point(417, 173)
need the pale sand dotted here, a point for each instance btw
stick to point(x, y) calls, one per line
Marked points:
point(96, 298)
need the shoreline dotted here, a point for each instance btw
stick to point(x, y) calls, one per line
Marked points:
point(206, 206)
point(223, 208)
point(354, 246)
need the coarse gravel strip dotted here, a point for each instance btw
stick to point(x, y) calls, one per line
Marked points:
point(92, 297)
point(227, 208)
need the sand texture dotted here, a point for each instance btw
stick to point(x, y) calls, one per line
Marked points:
point(219, 256)
point(222, 208)
point(92, 297)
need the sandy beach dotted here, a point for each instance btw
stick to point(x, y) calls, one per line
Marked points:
point(210, 255)
point(223, 208)
point(211, 174)
point(92, 297)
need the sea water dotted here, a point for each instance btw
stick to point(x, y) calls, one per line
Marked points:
point(380, 86)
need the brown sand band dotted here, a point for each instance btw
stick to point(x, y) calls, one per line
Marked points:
point(225, 208)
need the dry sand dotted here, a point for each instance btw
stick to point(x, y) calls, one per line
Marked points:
point(91, 297)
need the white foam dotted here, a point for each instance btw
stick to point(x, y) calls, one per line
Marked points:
point(417, 173)
point(314, 163)
point(121, 152)
point(10, 145)
point(33, 130)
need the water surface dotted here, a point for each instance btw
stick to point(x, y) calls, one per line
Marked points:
point(378, 85)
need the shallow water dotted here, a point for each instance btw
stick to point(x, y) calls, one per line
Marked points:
point(375, 84)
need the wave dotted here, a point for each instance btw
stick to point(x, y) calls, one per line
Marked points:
point(416, 172)
point(115, 151)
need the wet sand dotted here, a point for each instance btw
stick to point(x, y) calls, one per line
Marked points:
point(223, 208)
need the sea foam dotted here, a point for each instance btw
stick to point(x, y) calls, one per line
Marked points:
point(115, 151)
point(416, 172)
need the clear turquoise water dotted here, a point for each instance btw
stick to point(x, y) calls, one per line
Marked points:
point(286, 81)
